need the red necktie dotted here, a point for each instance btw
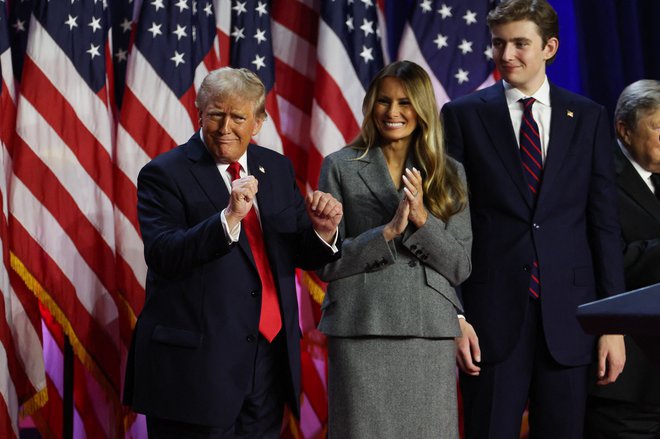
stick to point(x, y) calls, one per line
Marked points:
point(532, 161)
point(270, 321)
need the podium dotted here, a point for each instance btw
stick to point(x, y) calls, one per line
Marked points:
point(635, 313)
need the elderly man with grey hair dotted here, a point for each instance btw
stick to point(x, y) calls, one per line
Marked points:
point(216, 349)
point(630, 407)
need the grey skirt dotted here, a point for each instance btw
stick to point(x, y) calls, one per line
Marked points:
point(392, 387)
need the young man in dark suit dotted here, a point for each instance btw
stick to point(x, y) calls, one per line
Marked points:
point(546, 236)
point(216, 349)
point(631, 406)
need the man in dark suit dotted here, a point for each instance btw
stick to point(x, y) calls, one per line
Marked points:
point(546, 236)
point(631, 406)
point(215, 352)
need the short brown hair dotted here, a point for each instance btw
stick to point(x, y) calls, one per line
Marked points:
point(539, 12)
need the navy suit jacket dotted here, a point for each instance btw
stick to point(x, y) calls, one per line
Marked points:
point(194, 344)
point(639, 212)
point(573, 227)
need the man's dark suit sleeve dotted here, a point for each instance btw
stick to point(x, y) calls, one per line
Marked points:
point(171, 245)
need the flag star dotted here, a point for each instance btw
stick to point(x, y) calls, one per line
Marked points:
point(240, 8)
point(155, 29)
point(462, 76)
point(71, 22)
point(366, 54)
point(367, 3)
point(121, 55)
point(238, 33)
point(260, 36)
point(19, 25)
point(367, 27)
point(180, 32)
point(208, 9)
point(126, 25)
point(181, 4)
point(445, 11)
point(426, 6)
point(157, 4)
point(441, 41)
point(349, 23)
point(95, 24)
point(489, 52)
point(470, 17)
point(261, 9)
point(178, 58)
point(465, 46)
point(259, 61)
point(93, 50)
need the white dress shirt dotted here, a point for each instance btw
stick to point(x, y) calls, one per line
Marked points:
point(541, 111)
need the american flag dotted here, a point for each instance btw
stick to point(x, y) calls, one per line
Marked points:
point(71, 207)
point(61, 200)
point(22, 375)
point(450, 39)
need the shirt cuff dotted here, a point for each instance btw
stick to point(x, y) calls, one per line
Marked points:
point(332, 246)
point(231, 235)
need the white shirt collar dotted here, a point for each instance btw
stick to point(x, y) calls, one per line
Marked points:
point(646, 175)
point(513, 95)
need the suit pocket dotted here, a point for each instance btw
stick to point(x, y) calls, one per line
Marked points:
point(177, 337)
point(436, 281)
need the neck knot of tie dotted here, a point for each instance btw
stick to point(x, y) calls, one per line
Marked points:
point(234, 170)
point(655, 179)
point(527, 103)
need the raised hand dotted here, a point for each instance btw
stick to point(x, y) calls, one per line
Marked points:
point(414, 191)
point(241, 199)
point(325, 212)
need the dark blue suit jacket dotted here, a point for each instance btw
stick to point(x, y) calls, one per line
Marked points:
point(574, 226)
point(194, 346)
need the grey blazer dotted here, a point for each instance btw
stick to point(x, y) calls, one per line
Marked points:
point(401, 288)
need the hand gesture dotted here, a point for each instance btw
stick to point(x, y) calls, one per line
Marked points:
point(414, 191)
point(399, 222)
point(325, 212)
point(241, 199)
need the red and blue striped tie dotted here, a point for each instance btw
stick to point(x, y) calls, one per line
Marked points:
point(532, 161)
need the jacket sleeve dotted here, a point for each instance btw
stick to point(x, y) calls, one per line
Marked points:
point(172, 246)
point(445, 247)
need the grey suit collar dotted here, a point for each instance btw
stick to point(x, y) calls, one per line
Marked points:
point(631, 183)
point(376, 176)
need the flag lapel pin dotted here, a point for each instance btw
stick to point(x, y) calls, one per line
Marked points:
point(569, 113)
point(262, 170)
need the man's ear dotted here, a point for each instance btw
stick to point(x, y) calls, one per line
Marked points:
point(551, 47)
point(622, 132)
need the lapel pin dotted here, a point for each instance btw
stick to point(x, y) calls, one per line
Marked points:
point(569, 113)
point(261, 168)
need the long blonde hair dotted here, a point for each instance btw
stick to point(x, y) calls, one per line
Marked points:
point(444, 192)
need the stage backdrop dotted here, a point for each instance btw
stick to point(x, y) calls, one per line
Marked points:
point(93, 89)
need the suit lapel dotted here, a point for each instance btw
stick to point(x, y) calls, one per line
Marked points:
point(496, 120)
point(562, 125)
point(206, 173)
point(376, 177)
point(632, 184)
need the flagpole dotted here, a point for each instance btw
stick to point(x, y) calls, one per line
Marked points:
point(67, 375)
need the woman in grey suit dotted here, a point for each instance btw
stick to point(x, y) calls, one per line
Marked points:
point(390, 312)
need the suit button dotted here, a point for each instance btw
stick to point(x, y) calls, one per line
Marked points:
point(250, 338)
point(383, 262)
point(412, 264)
point(425, 257)
point(419, 252)
point(413, 247)
point(526, 268)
